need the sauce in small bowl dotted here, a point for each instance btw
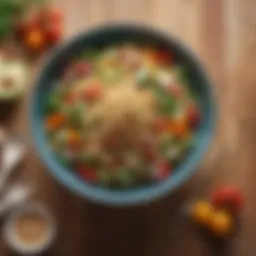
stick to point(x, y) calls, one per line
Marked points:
point(30, 230)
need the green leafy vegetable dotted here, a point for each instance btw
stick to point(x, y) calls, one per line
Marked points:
point(104, 177)
point(90, 54)
point(53, 103)
point(125, 177)
point(10, 10)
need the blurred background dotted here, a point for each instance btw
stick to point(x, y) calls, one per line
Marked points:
point(223, 35)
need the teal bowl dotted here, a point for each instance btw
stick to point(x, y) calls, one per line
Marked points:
point(109, 35)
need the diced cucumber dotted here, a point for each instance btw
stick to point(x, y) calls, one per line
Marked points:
point(177, 149)
point(104, 177)
point(125, 177)
point(90, 54)
point(90, 159)
point(74, 113)
point(53, 103)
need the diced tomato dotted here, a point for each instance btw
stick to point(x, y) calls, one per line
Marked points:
point(81, 68)
point(54, 121)
point(88, 174)
point(175, 90)
point(93, 92)
point(179, 127)
point(163, 170)
point(164, 57)
point(194, 117)
point(228, 197)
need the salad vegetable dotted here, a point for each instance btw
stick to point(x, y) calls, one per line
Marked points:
point(121, 115)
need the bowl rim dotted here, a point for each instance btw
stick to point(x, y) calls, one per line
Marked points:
point(138, 196)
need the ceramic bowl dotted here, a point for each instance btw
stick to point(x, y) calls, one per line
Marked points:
point(108, 35)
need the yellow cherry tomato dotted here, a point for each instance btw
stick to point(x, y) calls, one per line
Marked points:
point(202, 212)
point(35, 40)
point(221, 223)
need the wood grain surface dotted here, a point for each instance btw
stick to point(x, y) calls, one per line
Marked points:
point(223, 34)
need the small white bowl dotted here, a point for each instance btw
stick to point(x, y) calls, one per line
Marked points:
point(21, 247)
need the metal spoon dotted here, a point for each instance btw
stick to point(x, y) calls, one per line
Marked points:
point(13, 150)
point(14, 196)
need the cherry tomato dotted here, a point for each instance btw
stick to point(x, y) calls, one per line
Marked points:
point(32, 21)
point(89, 174)
point(56, 15)
point(221, 223)
point(163, 170)
point(228, 197)
point(53, 34)
point(35, 40)
point(21, 29)
point(164, 57)
point(194, 117)
point(202, 212)
point(93, 92)
point(51, 14)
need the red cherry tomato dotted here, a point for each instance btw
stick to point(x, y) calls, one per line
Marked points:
point(56, 15)
point(88, 174)
point(164, 57)
point(24, 26)
point(52, 15)
point(53, 34)
point(93, 92)
point(229, 197)
point(21, 29)
point(163, 170)
point(194, 117)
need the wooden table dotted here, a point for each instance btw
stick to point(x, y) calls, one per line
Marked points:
point(223, 34)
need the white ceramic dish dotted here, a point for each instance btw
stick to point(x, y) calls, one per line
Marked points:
point(19, 246)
